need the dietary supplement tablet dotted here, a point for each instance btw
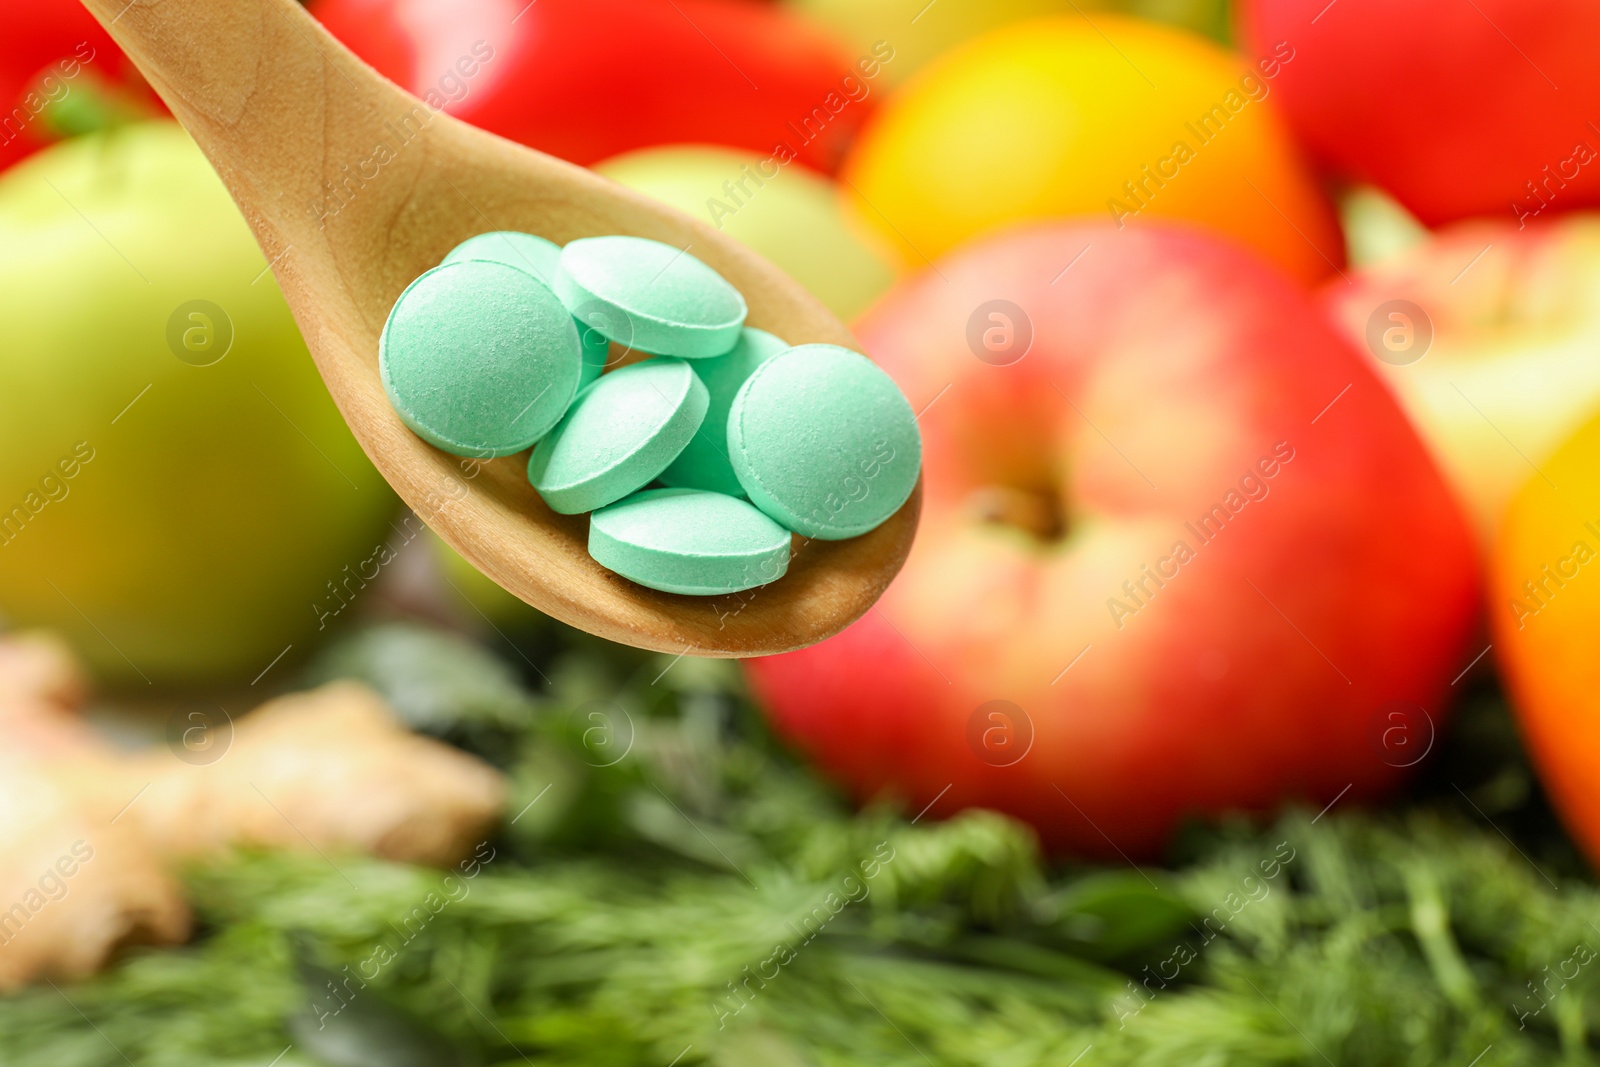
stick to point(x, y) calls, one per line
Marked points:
point(479, 358)
point(660, 299)
point(618, 435)
point(704, 463)
point(824, 442)
point(533, 254)
point(538, 257)
point(689, 541)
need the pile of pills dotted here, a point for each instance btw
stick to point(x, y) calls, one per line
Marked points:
point(695, 464)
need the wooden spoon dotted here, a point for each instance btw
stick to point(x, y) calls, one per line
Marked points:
point(353, 188)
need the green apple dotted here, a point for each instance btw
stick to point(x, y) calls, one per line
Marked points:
point(789, 214)
point(177, 489)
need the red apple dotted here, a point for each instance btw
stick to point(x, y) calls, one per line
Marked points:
point(1180, 553)
point(1457, 107)
point(52, 52)
point(590, 79)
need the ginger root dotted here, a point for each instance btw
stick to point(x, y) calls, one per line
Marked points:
point(331, 768)
point(74, 884)
point(88, 834)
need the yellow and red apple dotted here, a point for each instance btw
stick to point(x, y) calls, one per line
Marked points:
point(1487, 332)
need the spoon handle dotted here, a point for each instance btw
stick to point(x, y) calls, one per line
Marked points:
point(272, 99)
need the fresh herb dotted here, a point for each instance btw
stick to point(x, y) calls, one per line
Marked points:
point(673, 888)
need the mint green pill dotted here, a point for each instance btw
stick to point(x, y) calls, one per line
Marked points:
point(704, 463)
point(824, 442)
point(689, 541)
point(650, 296)
point(533, 254)
point(618, 435)
point(538, 257)
point(479, 358)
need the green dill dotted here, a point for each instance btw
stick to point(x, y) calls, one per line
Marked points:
point(677, 889)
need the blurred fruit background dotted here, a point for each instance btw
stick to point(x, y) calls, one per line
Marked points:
point(1235, 705)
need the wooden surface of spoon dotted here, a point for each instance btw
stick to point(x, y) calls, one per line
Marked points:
point(353, 188)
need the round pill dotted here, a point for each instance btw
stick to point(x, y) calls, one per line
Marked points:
point(479, 358)
point(618, 435)
point(704, 464)
point(533, 254)
point(824, 442)
point(663, 300)
point(689, 541)
point(538, 257)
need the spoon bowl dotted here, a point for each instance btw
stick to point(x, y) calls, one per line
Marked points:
point(353, 187)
